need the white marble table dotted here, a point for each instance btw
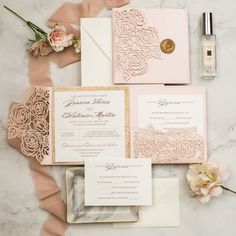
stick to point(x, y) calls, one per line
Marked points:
point(20, 214)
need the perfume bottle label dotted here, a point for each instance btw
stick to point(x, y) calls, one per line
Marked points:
point(209, 55)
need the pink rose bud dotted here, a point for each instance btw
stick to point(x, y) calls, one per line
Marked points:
point(59, 39)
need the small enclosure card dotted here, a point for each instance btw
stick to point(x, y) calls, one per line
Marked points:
point(118, 182)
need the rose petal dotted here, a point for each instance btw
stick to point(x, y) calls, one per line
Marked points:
point(224, 171)
point(216, 192)
point(190, 176)
point(205, 199)
point(211, 185)
point(70, 36)
point(60, 28)
point(204, 177)
point(195, 187)
point(204, 191)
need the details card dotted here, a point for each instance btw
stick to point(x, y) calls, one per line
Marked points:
point(168, 124)
point(119, 182)
point(90, 122)
point(168, 111)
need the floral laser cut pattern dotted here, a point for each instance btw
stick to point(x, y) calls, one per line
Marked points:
point(30, 123)
point(135, 43)
point(169, 146)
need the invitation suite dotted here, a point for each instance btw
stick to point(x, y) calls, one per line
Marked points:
point(164, 211)
point(118, 182)
point(168, 124)
point(150, 46)
point(90, 122)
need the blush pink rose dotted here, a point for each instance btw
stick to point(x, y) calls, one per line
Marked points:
point(59, 39)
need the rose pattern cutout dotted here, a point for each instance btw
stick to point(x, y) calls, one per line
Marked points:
point(19, 119)
point(39, 103)
point(136, 64)
point(41, 125)
point(147, 37)
point(30, 123)
point(32, 144)
point(135, 43)
point(186, 147)
point(171, 145)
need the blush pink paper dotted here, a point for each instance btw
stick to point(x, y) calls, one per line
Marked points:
point(136, 90)
point(137, 56)
point(46, 187)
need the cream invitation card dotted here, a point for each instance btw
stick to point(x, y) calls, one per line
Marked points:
point(119, 182)
point(90, 122)
point(164, 211)
point(169, 123)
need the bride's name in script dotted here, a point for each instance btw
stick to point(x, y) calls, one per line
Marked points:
point(76, 102)
point(78, 115)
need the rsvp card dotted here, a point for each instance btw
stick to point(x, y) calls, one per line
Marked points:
point(119, 182)
point(90, 122)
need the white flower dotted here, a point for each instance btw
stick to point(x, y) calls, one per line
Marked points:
point(205, 180)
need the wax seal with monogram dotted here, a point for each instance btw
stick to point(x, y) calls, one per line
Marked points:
point(167, 46)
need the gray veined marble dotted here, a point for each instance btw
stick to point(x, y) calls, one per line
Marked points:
point(77, 212)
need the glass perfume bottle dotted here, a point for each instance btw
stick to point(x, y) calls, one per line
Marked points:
point(208, 49)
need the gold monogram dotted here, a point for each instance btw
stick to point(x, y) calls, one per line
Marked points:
point(167, 46)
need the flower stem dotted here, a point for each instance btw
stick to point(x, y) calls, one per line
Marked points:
point(227, 189)
point(15, 14)
point(31, 25)
point(35, 27)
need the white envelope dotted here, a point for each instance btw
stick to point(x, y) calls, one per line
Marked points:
point(165, 209)
point(96, 52)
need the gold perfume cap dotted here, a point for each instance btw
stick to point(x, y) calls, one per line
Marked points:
point(207, 23)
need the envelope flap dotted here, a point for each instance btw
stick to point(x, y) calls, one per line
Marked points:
point(99, 30)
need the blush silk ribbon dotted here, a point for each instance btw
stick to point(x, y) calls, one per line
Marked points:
point(47, 190)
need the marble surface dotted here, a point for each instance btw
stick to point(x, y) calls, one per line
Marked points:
point(20, 214)
point(77, 212)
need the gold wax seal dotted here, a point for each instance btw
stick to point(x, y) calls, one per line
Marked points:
point(167, 46)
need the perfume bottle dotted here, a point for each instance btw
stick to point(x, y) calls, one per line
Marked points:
point(208, 49)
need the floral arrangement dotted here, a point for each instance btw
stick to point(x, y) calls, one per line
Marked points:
point(45, 43)
point(206, 180)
